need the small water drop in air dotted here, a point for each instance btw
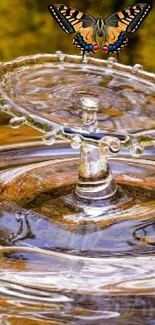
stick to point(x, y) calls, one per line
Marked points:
point(136, 149)
point(113, 143)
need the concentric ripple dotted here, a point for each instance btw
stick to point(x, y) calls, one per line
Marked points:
point(55, 90)
point(45, 286)
point(56, 269)
point(39, 208)
point(64, 260)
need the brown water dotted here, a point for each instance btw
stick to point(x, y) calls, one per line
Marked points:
point(64, 260)
point(58, 267)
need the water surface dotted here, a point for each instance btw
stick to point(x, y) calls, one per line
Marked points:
point(63, 260)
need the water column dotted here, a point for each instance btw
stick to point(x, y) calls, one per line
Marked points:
point(95, 179)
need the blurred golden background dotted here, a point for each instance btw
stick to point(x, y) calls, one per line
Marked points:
point(26, 27)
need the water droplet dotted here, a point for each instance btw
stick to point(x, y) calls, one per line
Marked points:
point(136, 68)
point(113, 143)
point(136, 149)
point(50, 137)
point(85, 57)
point(60, 55)
point(5, 108)
point(17, 122)
point(76, 142)
point(90, 103)
point(110, 61)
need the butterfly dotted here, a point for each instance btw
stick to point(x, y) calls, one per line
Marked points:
point(112, 29)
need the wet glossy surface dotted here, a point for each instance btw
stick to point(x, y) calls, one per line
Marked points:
point(58, 90)
point(64, 260)
point(56, 268)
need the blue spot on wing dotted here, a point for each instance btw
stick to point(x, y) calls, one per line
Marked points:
point(79, 42)
point(90, 47)
point(119, 42)
point(122, 40)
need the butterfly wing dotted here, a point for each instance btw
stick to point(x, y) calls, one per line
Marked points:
point(127, 20)
point(86, 40)
point(72, 20)
point(115, 40)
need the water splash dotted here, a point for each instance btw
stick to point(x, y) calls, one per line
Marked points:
point(80, 261)
point(76, 141)
point(136, 149)
point(136, 68)
point(16, 122)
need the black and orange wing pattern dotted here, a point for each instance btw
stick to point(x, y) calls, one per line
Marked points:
point(127, 20)
point(115, 26)
point(86, 40)
point(115, 40)
point(71, 21)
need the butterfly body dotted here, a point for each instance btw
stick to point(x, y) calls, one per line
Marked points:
point(100, 27)
point(112, 29)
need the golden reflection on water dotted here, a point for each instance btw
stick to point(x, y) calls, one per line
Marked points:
point(11, 137)
point(41, 287)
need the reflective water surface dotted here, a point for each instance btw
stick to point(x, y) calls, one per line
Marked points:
point(64, 260)
point(57, 91)
point(56, 267)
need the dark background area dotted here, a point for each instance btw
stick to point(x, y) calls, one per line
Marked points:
point(26, 27)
